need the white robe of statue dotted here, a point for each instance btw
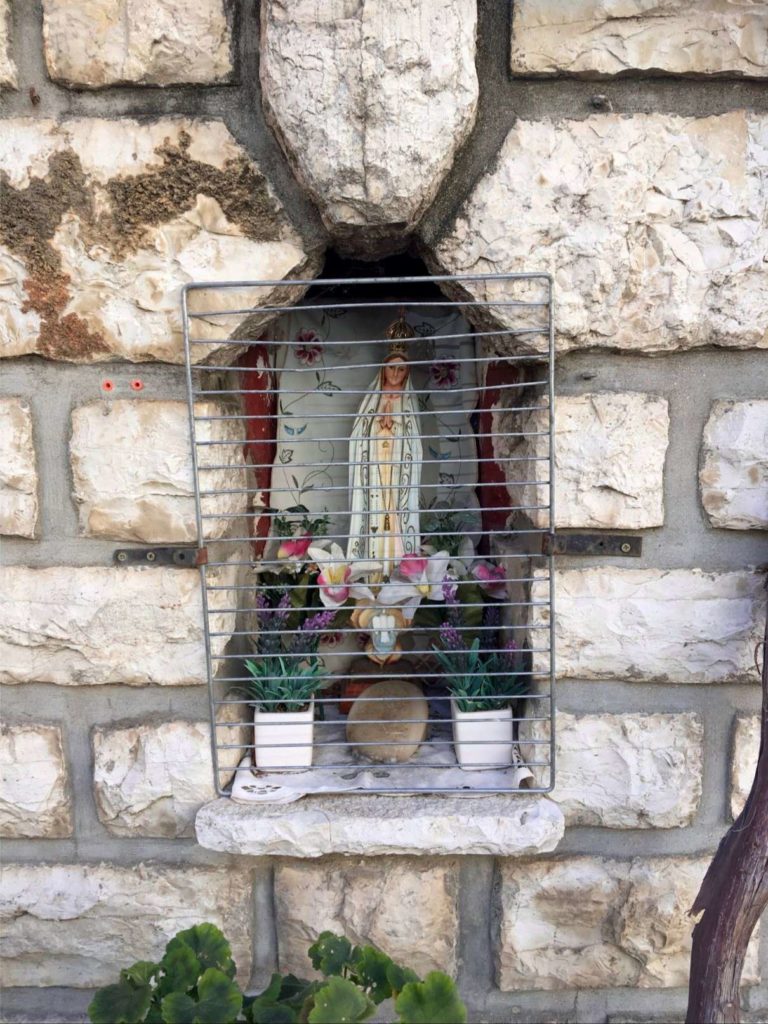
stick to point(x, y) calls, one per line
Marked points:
point(385, 457)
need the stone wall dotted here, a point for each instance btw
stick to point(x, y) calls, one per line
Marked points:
point(149, 144)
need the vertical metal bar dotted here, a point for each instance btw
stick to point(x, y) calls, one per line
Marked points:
point(200, 538)
point(551, 557)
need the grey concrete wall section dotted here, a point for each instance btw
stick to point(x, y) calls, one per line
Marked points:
point(691, 381)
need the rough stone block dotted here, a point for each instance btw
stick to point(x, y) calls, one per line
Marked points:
point(143, 42)
point(744, 753)
point(18, 469)
point(78, 925)
point(498, 825)
point(8, 77)
point(585, 922)
point(105, 220)
point(132, 471)
point(592, 38)
point(653, 625)
point(80, 626)
point(150, 780)
point(408, 908)
point(650, 224)
point(734, 465)
point(625, 771)
point(34, 783)
point(371, 103)
point(609, 460)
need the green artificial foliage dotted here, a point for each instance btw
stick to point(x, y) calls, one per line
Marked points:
point(283, 684)
point(193, 984)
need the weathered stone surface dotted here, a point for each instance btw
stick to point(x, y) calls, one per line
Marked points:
point(744, 753)
point(8, 77)
point(624, 771)
point(609, 460)
point(372, 825)
point(586, 922)
point(151, 780)
point(408, 908)
point(144, 42)
point(371, 103)
point(106, 220)
point(18, 469)
point(654, 625)
point(34, 791)
point(132, 471)
point(650, 224)
point(595, 38)
point(734, 466)
point(79, 924)
point(399, 720)
point(78, 626)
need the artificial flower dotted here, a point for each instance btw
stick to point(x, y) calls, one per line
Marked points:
point(295, 547)
point(492, 579)
point(444, 374)
point(310, 350)
point(338, 579)
point(419, 578)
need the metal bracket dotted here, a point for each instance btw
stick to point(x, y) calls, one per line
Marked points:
point(592, 544)
point(175, 558)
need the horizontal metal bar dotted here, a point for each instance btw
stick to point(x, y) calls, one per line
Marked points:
point(398, 415)
point(224, 701)
point(361, 767)
point(508, 579)
point(345, 437)
point(435, 304)
point(334, 723)
point(338, 391)
point(233, 563)
point(345, 561)
point(356, 631)
point(429, 650)
point(333, 342)
point(309, 282)
point(341, 512)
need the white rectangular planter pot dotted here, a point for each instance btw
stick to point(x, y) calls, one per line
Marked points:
point(293, 727)
point(482, 739)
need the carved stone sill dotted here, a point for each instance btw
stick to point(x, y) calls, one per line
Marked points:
point(504, 826)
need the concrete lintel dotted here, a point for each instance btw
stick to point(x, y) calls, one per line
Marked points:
point(496, 825)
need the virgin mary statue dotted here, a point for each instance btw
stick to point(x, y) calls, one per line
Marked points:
point(385, 457)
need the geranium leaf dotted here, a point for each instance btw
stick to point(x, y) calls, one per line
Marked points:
point(340, 1001)
point(209, 946)
point(330, 954)
point(219, 1002)
point(432, 1001)
point(371, 967)
point(141, 973)
point(398, 977)
point(182, 968)
point(124, 1003)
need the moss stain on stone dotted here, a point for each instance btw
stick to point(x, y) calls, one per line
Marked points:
point(30, 217)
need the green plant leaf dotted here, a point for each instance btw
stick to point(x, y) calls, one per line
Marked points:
point(371, 967)
point(141, 973)
point(338, 1002)
point(432, 1001)
point(124, 1003)
point(181, 968)
point(209, 946)
point(398, 977)
point(331, 953)
point(219, 1002)
point(266, 1012)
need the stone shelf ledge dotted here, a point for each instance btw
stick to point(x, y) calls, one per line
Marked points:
point(505, 825)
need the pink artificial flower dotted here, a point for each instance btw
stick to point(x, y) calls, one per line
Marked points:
point(415, 579)
point(338, 580)
point(295, 547)
point(310, 350)
point(492, 579)
point(412, 568)
point(444, 374)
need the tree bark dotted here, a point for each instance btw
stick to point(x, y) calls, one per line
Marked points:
point(732, 897)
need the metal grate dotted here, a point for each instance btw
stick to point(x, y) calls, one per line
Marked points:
point(401, 421)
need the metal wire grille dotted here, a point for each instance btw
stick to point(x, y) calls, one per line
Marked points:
point(373, 478)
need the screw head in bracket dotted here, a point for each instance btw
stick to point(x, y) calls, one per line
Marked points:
point(626, 548)
point(151, 556)
point(122, 557)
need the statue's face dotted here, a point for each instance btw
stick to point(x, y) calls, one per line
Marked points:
point(395, 373)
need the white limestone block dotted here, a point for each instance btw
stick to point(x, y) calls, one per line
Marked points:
point(107, 219)
point(590, 922)
point(609, 460)
point(78, 925)
point(597, 38)
point(150, 780)
point(8, 76)
point(734, 466)
point(142, 42)
point(18, 469)
point(132, 471)
point(35, 800)
point(370, 826)
point(651, 225)
point(79, 626)
point(653, 625)
point(371, 99)
point(744, 754)
point(624, 771)
point(407, 908)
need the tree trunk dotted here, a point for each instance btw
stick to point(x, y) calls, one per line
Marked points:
point(733, 895)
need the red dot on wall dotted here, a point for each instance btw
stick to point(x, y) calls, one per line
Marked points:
point(107, 385)
point(137, 385)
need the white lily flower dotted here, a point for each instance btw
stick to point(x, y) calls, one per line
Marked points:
point(338, 579)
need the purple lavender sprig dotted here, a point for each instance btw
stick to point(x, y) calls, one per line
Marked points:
point(308, 638)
